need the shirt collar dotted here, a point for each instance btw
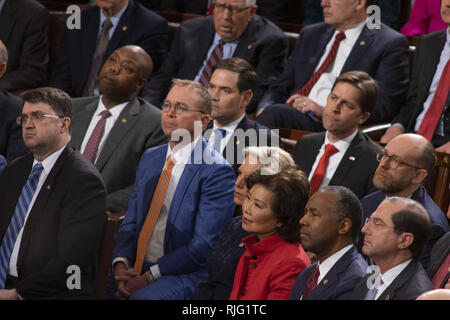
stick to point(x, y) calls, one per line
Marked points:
point(50, 161)
point(329, 262)
point(217, 38)
point(231, 126)
point(183, 155)
point(392, 273)
point(343, 143)
point(115, 111)
point(115, 18)
point(352, 34)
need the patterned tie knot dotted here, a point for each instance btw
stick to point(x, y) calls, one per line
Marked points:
point(222, 132)
point(37, 169)
point(340, 36)
point(170, 162)
point(105, 114)
point(107, 24)
point(330, 149)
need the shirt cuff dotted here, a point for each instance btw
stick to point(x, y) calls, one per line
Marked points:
point(121, 259)
point(154, 269)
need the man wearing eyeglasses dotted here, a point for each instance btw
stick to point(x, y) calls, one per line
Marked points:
point(113, 130)
point(178, 208)
point(405, 163)
point(233, 31)
point(52, 207)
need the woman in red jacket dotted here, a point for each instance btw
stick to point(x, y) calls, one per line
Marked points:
point(274, 257)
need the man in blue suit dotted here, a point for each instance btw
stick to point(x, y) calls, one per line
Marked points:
point(381, 52)
point(198, 202)
point(405, 163)
point(329, 228)
point(131, 24)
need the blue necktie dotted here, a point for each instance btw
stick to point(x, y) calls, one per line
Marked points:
point(219, 135)
point(17, 221)
point(372, 293)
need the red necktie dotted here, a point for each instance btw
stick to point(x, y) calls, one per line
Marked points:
point(322, 167)
point(434, 112)
point(90, 151)
point(312, 283)
point(328, 60)
point(210, 10)
point(214, 58)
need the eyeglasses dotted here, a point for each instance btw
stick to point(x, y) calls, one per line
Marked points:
point(233, 9)
point(377, 223)
point(36, 116)
point(178, 107)
point(394, 163)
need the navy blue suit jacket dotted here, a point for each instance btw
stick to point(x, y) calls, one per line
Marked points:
point(338, 283)
point(439, 224)
point(137, 26)
point(382, 53)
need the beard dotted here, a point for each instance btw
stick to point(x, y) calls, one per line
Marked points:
point(388, 184)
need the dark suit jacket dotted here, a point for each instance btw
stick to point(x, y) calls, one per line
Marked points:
point(262, 44)
point(234, 150)
point(11, 141)
point(63, 228)
point(24, 31)
point(409, 284)
point(426, 60)
point(137, 26)
point(356, 169)
point(439, 224)
point(382, 53)
point(137, 129)
point(338, 283)
point(2, 163)
point(439, 253)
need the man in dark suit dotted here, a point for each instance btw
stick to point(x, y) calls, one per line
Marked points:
point(51, 220)
point(345, 41)
point(183, 197)
point(11, 142)
point(329, 229)
point(24, 31)
point(133, 127)
point(342, 155)
point(394, 237)
point(131, 23)
point(438, 268)
point(404, 165)
point(430, 60)
point(244, 35)
point(232, 84)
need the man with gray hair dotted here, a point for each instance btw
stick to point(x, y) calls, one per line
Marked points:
point(11, 142)
point(405, 163)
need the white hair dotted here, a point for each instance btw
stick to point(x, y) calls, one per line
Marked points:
point(273, 159)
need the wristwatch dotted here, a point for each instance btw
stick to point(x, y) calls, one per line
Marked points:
point(148, 276)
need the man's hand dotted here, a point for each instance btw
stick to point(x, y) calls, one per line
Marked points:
point(122, 275)
point(444, 148)
point(391, 133)
point(305, 104)
point(9, 294)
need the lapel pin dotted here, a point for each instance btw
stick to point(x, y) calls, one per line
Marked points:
point(124, 28)
point(351, 158)
point(362, 43)
point(241, 245)
point(249, 47)
point(48, 187)
point(387, 297)
point(124, 120)
point(325, 281)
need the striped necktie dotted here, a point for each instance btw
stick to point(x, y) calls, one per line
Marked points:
point(215, 56)
point(90, 151)
point(311, 284)
point(153, 214)
point(17, 221)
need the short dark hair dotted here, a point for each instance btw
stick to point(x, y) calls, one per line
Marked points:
point(349, 206)
point(247, 77)
point(413, 218)
point(367, 86)
point(291, 192)
point(57, 99)
point(427, 158)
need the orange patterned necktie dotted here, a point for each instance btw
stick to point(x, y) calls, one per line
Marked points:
point(153, 213)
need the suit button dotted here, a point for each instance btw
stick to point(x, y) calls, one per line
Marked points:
point(253, 265)
point(243, 292)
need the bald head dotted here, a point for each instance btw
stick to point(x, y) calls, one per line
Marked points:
point(142, 59)
point(437, 294)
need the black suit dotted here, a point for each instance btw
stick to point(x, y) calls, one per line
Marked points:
point(408, 285)
point(356, 169)
point(264, 137)
point(426, 60)
point(11, 141)
point(262, 44)
point(64, 226)
point(24, 31)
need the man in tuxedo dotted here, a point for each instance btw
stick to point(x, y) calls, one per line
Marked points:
point(104, 28)
point(394, 237)
point(233, 31)
point(11, 142)
point(183, 196)
point(329, 229)
point(427, 111)
point(130, 125)
point(342, 155)
point(404, 165)
point(52, 208)
point(347, 40)
point(24, 31)
point(232, 84)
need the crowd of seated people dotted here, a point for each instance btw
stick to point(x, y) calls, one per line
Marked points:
point(178, 140)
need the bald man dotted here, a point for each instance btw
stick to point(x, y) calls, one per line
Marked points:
point(404, 165)
point(113, 130)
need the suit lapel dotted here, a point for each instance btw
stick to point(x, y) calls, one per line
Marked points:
point(234, 142)
point(124, 123)
point(408, 272)
point(360, 49)
point(245, 47)
point(82, 122)
point(7, 24)
point(314, 146)
point(203, 42)
point(89, 35)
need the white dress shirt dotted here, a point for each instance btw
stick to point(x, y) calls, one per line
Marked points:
point(389, 276)
point(229, 128)
point(335, 159)
point(322, 88)
point(47, 165)
point(109, 124)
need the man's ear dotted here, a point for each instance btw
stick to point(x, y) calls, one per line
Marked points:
point(405, 240)
point(2, 68)
point(246, 97)
point(345, 226)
